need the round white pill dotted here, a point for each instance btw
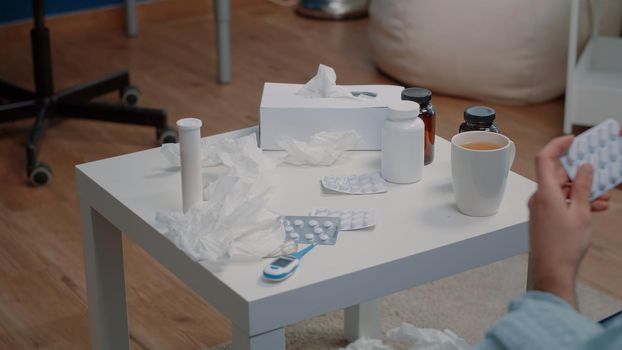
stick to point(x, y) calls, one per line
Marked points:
point(613, 152)
point(327, 224)
point(298, 222)
point(309, 236)
point(602, 137)
point(312, 223)
point(318, 230)
point(289, 229)
point(294, 235)
point(324, 237)
point(613, 175)
point(603, 157)
point(602, 181)
point(592, 142)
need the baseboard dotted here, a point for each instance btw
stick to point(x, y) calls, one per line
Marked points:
point(106, 19)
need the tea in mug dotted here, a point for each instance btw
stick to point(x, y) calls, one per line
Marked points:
point(481, 145)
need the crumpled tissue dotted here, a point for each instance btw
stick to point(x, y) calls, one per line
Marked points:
point(324, 84)
point(415, 338)
point(367, 344)
point(323, 148)
point(210, 151)
point(234, 221)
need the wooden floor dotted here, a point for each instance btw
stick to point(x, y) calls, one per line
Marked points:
point(42, 284)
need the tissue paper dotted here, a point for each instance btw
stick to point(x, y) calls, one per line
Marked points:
point(324, 84)
point(211, 150)
point(367, 344)
point(323, 148)
point(426, 338)
point(407, 335)
point(234, 219)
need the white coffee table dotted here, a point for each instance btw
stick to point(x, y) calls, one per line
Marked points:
point(420, 237)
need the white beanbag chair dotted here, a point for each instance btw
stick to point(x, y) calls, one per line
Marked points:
point(508, 51)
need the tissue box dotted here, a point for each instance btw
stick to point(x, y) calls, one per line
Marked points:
point(283, 113)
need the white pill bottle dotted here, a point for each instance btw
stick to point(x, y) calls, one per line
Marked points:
point(402, 143)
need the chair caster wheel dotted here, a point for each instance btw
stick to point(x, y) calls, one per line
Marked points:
point(166, 135)
point(40, 174)
point(130, 95)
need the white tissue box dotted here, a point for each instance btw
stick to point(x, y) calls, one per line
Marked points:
point(283, 113)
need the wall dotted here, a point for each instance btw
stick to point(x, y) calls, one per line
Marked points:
point(19, 10)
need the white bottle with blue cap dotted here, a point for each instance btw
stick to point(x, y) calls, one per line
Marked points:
point(402, 143)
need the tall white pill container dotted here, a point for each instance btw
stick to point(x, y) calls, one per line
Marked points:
point(402, 143)
point(190, 151)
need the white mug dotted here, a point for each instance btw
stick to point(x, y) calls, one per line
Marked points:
point(479, 176)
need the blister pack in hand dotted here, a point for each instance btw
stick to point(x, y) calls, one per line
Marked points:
point(601, 147)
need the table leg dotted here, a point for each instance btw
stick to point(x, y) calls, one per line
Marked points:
point(131, 23)
point(105, 281)
point(272, 340)
point(221, 9)
point(363, 320)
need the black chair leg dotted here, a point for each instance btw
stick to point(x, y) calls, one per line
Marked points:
point(14, 93)
point(16, 111)
point(38, 173)
point(84, 92)
point(114, 113)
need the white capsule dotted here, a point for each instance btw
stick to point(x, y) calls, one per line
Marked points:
point(309, 236)
point(603, 157)
point(327, 224)
point(602, 137)
point(613, 173)
point(318, 230)
point(602, 181)
point(298, 222)
point(613, 152)
point(313, 223)
point(581, 152)
point(294, 235)
point(592, 143)
point(324, 237)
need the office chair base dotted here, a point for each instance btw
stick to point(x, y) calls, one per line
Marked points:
point(76, 102)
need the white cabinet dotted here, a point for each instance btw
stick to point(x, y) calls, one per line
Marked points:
point(594, 81)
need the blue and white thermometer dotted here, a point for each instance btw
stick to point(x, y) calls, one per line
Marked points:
point(285, 266)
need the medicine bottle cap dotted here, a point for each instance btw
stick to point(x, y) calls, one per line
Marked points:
point(417, 94)
point(403, 110)
point(189, 124)
point(479, 114)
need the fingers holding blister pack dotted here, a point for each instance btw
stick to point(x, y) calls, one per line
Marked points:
point(601, 147)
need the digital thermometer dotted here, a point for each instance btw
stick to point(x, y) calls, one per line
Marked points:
point(285, 266)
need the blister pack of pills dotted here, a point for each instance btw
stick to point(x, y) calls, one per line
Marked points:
point(355, 184)
point(310, 229)
point(601, 147)
point(349, 219)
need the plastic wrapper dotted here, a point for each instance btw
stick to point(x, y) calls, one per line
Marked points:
point(234, 220)
point(323, 148)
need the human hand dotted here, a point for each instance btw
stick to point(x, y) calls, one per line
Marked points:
point(559, 222)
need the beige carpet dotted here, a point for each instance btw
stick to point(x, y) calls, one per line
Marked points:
point(466, 303)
